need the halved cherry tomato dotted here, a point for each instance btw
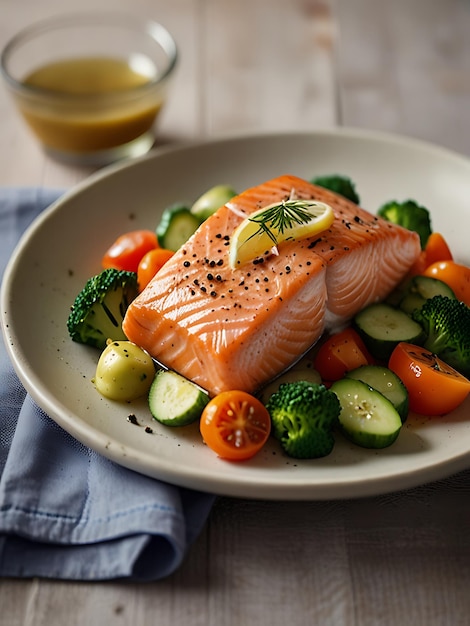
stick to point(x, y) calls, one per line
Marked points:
point(150, 263)
point(128, 249)
point(434, 388)
point(455, 275)
point(235, 425)
point(341, 353)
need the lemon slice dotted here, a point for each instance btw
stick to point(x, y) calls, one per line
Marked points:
point(275, 223)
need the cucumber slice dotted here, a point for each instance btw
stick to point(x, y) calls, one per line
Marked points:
point(421, 288)
point(382, 327)
point(176, 226)
point(174, 400)
point(387, 382)
point(302, 370)
point(211, 200)
point(366, 418)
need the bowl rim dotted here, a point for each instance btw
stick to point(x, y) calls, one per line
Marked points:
point(157, 31)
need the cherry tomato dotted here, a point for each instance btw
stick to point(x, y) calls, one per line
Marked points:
point(455, 275)
point(235, 425)
point(341, 353)
point(150, 263)
point(128, 249)
point(434, 388)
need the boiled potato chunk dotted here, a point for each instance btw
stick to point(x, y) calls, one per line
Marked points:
point(124, 371)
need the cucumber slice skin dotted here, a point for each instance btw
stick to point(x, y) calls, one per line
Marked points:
point(382, 327)
point(210, 201)
point(387, 382)
point(366, 418)
point(176, 226)
point(174, 400)
point(421, 288)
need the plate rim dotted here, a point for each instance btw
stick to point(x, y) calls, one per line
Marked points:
point(118, 452)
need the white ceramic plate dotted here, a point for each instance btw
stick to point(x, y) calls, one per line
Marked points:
point(62, 249)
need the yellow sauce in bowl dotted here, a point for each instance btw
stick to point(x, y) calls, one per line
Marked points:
point(91, 103)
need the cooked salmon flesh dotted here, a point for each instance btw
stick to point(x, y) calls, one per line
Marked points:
point(227, 328)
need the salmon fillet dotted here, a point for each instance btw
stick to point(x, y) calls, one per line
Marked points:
point(365, 255)
point(238, 328)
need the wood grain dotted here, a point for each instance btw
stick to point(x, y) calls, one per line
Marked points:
point(261, 66)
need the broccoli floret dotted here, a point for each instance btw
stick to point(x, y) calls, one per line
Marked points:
point(303, 415)
point(99, 309)
point(446, 323)
point(410, 215)
point(339, 184)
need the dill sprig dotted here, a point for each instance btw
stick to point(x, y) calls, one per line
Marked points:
point(277, 218)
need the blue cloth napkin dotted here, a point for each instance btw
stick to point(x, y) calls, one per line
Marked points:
point(66, 512)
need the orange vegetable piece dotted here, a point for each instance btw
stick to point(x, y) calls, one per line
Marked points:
point(149, 265)
point(437, 249)
point(128, 249)
point(455, 275)
point(434, 388)
point(235, 425)
point(340, 353)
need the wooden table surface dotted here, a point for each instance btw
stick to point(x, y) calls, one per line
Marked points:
point(270, 65)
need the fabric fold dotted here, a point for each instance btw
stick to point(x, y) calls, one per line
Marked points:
point(66, 512)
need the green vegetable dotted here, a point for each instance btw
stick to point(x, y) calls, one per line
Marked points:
point(176, 226)
point(367, 418)
point(382, 327)
point(99, 309)
point(410, 215)
point(211, 200)
point(174, 400)
point(303, 415)
point(387, 382)
point(446, 324)
point(339, 184)
point(421, 288)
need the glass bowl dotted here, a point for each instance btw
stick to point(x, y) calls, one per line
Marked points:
point(90, 86)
